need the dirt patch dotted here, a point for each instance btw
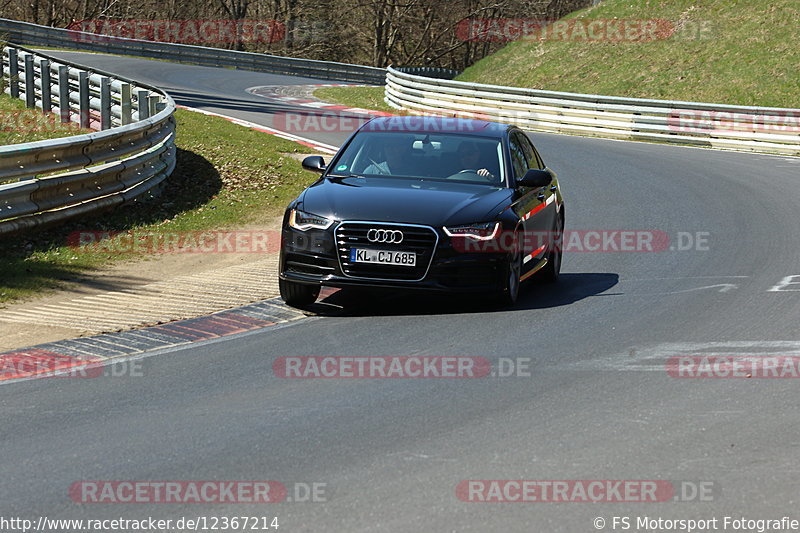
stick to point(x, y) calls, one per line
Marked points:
point(69, 312)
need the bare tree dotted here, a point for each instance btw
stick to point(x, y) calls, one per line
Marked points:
point(375, 32)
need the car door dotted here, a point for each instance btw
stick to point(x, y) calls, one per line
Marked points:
point(533, 204)
point(550, 212)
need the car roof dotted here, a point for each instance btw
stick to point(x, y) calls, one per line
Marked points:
point(415, 124)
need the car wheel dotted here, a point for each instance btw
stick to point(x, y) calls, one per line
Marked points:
point(298, 294)
point(510, 291)
point(552, 270)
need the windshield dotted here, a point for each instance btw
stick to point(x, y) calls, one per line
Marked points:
point(441, 157)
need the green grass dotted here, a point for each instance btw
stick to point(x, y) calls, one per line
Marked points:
point(21, 125)
point(227, 176)
point(363, 97)
point(723, 51)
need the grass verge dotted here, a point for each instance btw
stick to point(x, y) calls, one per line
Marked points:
point(227, 176)
point(19, 124)
point(363, 97)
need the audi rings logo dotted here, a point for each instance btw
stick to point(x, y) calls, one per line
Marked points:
point(391, 236)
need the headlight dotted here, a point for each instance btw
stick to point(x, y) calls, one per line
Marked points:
point(482, 232)
point(303, 221)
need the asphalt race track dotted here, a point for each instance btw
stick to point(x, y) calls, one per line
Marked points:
point(598, 403)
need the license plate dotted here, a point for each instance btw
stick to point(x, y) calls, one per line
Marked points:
point(383, 257)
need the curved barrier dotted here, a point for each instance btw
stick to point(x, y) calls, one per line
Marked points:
point(35, 35)
point(61, 178)
point(757, 129)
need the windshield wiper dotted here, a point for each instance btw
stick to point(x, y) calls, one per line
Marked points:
point(343, 176)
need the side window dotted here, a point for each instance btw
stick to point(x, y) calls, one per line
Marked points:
point(534, 160)
point(517, 157)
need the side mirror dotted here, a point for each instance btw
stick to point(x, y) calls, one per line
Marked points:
point(535, 178)
point(314, 163)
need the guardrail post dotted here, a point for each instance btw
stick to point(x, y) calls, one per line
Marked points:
point(153, 104)
point(63, 93)
point(143, 103)
point(47, 100)
point(126, 104)
point(105, 103)
point(83, 98)
point(13, 72)
point(30, 82)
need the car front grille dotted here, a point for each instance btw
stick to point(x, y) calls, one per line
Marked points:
point(421, 240)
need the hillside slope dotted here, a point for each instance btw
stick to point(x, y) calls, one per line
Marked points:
point(724, 51)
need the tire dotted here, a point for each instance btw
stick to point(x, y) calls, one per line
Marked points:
point(298, 294)
point(509, 294)
point(552, 270)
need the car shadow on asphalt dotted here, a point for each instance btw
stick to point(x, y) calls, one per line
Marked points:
point(570, 288)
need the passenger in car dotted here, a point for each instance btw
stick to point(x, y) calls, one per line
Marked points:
point(396, 152)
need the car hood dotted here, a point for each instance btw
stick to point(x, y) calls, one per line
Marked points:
point(399, 200)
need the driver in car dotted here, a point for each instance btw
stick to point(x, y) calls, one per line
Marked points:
point(469, 158)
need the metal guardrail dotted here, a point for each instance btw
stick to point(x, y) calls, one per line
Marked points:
point(70, 176)
point(757, 129)
point(35, 35)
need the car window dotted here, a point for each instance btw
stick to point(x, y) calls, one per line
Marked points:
point(518, 160)
point(531, 155)
point(431, 156)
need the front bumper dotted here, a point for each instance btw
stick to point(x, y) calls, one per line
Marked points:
point(313, 257)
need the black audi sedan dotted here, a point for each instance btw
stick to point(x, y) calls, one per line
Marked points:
point(425, 203)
